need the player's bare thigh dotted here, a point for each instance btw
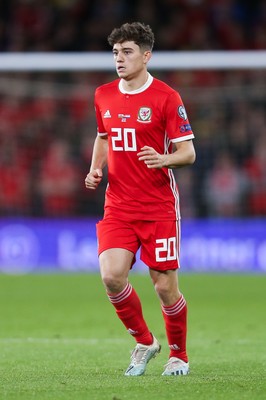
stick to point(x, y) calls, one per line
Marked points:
point(114, 266)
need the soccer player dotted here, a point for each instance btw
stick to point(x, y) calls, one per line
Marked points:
point(143, 133)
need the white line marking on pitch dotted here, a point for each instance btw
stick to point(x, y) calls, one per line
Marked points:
point(83, 341)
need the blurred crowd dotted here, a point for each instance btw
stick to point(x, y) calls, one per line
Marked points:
point(83, 25)
point(47, 123)
point(47, 130)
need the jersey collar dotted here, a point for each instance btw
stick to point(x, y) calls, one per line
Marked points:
point(140, 90)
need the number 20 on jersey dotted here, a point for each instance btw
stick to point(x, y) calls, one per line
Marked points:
point(124, 139)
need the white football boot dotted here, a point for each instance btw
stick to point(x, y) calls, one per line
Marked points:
point(140, 357)
point(175, 366)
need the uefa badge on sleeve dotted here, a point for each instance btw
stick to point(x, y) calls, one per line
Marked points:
point(182, 112)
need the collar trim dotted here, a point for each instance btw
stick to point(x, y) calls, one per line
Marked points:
point(140, 90)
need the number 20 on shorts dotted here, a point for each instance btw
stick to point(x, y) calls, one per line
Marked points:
point(167, 249)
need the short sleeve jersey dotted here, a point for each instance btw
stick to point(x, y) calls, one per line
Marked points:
point(153, 115)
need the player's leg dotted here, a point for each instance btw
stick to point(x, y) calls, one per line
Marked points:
point(161, 253)
point(115, 264)
point(174, 311)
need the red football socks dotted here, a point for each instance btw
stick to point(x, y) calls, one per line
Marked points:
point(175, 318)
point(129, 311)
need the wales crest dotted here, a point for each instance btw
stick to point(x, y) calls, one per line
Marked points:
point(144, 114)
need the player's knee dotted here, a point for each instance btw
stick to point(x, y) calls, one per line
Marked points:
point(161, 289)
point(167, 294)
point(112, 283)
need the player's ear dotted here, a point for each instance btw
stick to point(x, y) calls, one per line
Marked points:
point(146, 56)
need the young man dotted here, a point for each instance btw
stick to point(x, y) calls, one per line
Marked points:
point(143, 132)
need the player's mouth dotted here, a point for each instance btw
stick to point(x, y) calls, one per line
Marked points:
point(120, 68)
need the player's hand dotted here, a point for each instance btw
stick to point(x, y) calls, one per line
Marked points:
point(151, 158)
point(93, 179)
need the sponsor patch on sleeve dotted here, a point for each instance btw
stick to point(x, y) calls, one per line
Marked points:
point(185, 128)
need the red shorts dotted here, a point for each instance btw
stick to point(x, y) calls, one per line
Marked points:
point(159, 241)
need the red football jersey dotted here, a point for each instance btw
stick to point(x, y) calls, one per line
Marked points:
point(153, 115)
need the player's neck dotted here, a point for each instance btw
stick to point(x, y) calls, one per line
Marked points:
point(135, 83)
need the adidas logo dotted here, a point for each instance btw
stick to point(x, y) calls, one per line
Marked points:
point(107, 114)
point(132, 332)
point(174, 347)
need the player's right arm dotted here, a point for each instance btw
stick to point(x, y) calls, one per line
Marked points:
point(98, 162)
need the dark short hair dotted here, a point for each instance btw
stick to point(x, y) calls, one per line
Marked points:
point(136, 32)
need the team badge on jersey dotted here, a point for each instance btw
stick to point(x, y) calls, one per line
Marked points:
point(182, 112)
point(144, 114)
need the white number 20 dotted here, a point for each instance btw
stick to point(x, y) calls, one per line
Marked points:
point(168, 247)
point(127, 139)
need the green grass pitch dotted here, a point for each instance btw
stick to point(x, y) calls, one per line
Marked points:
point(60, 339)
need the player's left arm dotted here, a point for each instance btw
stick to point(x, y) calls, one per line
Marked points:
point(183, 154)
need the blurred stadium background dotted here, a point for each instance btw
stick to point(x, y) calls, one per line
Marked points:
point(47, 128)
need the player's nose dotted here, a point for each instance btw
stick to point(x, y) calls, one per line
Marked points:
point(119, 57)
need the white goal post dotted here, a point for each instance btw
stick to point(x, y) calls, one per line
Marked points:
point(161, 60)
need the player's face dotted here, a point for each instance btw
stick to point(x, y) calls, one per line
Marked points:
point(130, 61)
